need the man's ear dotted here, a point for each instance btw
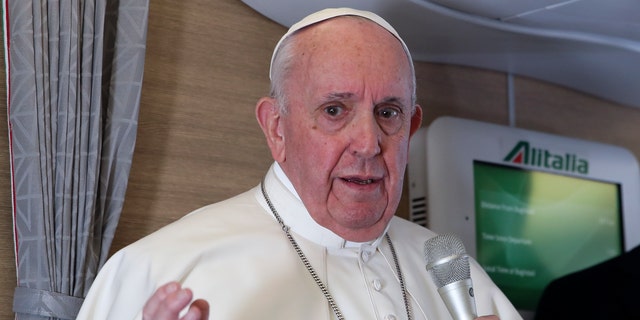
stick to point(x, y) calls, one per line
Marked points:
point(416, 120)
point(270, 120)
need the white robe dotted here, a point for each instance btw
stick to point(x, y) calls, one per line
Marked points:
point(235, 255)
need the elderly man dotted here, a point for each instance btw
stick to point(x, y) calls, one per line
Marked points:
point(317, 239)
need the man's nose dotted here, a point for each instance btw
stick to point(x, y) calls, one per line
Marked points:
point(365, 136)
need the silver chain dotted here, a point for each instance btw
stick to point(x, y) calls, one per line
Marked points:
point(407, 307)
point(312, 271)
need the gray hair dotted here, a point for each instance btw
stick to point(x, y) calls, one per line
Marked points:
point(281, 67)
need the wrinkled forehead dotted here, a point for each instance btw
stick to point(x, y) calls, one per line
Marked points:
point(327, 14)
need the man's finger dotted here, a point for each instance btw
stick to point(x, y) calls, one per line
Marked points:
point(156, 300)
point(166, 302)
point(199, 310)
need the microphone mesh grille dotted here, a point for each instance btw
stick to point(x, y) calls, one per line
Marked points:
point(443, 246)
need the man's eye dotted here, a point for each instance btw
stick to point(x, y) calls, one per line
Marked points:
point(390, 119)
point(388, 113)
point(333, 110)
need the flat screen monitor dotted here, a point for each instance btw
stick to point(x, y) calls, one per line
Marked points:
point(533, 226)
point(529, 206)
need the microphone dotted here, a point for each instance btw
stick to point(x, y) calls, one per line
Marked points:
point(448, 263)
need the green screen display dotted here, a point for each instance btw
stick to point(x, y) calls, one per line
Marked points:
point(533, 226)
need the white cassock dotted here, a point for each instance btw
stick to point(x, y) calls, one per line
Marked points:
point(235, 255)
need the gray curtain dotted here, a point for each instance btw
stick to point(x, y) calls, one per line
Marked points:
point(75, 74)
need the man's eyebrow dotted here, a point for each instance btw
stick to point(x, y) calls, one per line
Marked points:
point(338, 96)
point(391, 100)
point(394, 100)
point(347, 95)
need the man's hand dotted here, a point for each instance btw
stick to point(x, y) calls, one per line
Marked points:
point(488, 318)
point(167, 302)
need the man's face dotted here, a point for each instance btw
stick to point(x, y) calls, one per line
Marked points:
point(346, 133)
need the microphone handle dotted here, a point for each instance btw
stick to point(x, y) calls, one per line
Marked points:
point(458, 297)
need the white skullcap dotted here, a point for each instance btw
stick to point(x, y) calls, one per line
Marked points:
point(327, 14)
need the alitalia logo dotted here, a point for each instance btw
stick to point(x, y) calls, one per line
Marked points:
point(525, 154)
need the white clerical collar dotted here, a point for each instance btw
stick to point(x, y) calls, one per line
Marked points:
point(284, 179)
point(302, 223)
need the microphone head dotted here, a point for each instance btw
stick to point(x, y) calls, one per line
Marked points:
point(447, 260)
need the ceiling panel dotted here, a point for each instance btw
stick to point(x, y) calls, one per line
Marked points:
point(497, 9)
point(615, 18)
point(588, 45)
